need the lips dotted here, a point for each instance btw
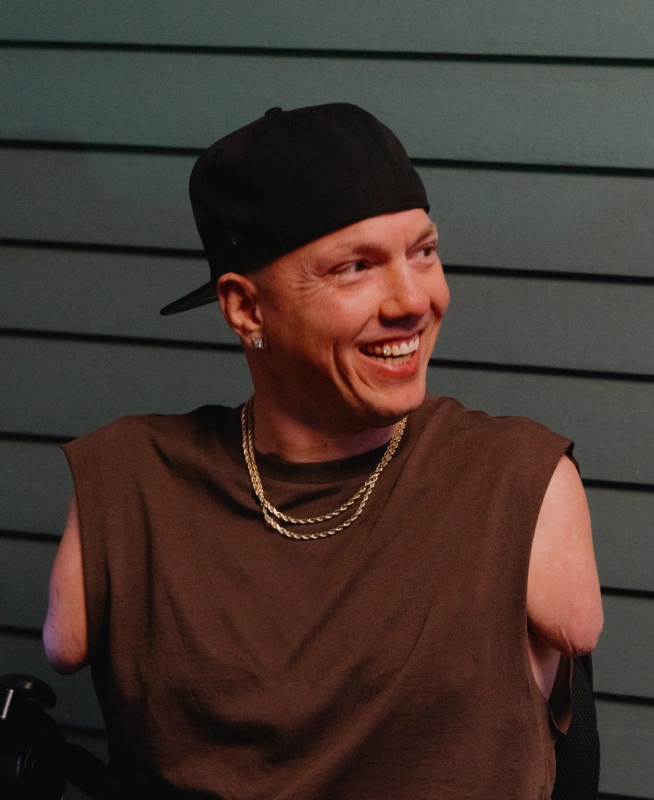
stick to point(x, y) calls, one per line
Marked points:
point(392, 352)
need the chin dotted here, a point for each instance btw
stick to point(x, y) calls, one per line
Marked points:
point(392, 408)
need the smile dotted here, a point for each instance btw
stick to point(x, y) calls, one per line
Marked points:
point(392, 353)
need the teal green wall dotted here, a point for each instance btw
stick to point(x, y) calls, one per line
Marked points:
point(531, 125)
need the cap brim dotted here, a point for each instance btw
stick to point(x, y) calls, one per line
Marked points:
point(199, 297)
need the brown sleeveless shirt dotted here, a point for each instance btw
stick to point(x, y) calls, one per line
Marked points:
point(387, 662)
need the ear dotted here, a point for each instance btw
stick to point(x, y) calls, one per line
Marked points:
point(239, 301)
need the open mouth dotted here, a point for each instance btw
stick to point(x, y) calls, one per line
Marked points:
point(394, 353)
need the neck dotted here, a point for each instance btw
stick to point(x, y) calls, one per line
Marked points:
point(276, 432)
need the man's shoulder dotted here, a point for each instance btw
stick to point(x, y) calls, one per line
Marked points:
point(134, 430)
point(447, 419)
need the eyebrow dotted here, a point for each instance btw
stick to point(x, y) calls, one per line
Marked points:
point(430, 230)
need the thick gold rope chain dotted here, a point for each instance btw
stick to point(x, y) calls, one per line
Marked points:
point(271, 514)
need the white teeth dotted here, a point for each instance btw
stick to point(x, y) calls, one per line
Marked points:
point(398, 352)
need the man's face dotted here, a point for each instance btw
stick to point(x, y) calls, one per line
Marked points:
point(350, 321)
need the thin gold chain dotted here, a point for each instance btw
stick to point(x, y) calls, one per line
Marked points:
point(271, 514)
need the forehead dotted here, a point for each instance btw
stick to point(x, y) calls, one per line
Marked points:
point(384, 233)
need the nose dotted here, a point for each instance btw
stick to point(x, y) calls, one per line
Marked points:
point(406, 294)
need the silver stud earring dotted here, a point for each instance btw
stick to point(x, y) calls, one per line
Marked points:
point(257, 343)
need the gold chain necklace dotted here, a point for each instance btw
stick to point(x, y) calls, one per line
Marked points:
point(271, 514)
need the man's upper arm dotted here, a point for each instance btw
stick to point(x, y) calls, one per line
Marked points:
point(564, 604)
point(65, 630)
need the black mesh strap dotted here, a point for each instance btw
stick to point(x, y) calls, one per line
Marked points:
point(578, 752)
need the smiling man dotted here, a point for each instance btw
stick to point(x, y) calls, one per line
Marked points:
point(350, 323)
point(345, 588)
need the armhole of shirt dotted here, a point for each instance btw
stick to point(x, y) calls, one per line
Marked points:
point(93, 562)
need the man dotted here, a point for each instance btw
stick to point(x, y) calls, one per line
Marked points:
point(346, 588)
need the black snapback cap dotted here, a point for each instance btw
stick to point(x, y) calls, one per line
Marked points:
point(291, 177)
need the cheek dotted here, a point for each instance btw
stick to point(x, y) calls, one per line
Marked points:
point(445, 298)
point(340, 320)
point(319, 329)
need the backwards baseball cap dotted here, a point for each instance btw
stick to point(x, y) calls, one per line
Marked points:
point(289, 178)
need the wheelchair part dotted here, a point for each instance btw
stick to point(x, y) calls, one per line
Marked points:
point(32, 748)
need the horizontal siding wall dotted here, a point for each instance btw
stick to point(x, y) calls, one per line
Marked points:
point(486, 27)
point(511, 112)
point(532, 129)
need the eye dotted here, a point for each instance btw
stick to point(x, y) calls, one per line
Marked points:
point(353, 267)
point(428, 250)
